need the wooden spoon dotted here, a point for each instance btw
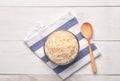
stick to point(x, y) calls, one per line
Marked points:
point(87, 32)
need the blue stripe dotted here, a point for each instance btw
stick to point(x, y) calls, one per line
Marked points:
point(45, 59)
point(82, 53)
point(79, 37)
point(38, 44)
point(65, 26)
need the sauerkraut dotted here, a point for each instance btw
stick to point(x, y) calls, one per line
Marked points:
point(61, 47)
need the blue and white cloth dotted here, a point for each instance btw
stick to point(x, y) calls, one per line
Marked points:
point(35, 41)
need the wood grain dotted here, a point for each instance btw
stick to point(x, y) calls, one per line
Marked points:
point(56, 78)
point(17, 17)
point(16, 58)
point(60, 3)
point(16, 22)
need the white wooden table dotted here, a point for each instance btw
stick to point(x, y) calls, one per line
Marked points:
point(18, 63)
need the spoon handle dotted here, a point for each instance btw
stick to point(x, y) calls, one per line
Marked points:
point(93, 64)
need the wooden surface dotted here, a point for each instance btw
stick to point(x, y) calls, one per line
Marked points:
point(18, 63)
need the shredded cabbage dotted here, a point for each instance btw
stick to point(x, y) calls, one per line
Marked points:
point(61, 47)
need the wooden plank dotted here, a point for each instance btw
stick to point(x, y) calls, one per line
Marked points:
point(54, 77)
point(16, 22)
point(16, 58)
point(60, 3)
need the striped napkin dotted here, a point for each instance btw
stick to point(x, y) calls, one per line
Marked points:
point(35, 41)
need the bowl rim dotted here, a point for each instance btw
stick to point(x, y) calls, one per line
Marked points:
point(77, 51)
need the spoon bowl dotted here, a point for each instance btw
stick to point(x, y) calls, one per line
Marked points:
point(87, 31)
